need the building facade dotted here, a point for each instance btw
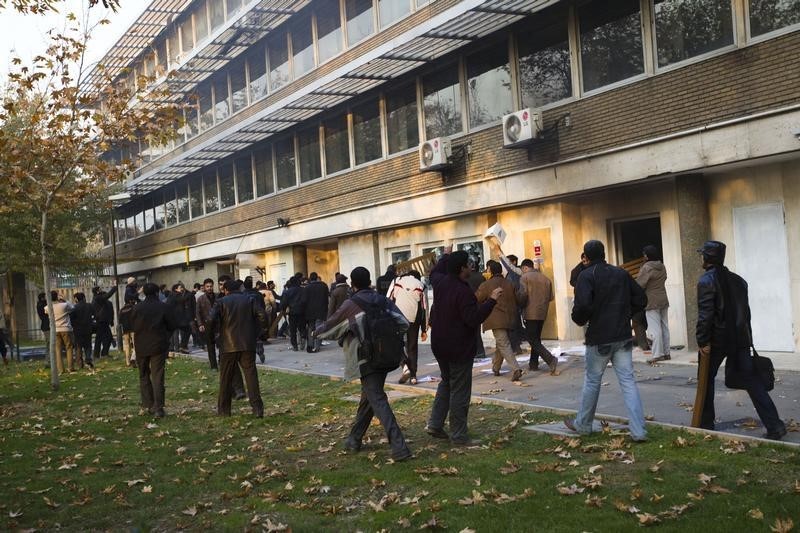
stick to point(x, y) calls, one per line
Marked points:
point(665, 122)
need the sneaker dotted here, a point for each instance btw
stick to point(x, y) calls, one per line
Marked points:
point(570, 424)
point(258, 413)
point(517, 375)
point(533, 366)
point(262, 358)
point(413, 381)
point(553, 366)
point(406, 375)
point(159, 413)
point(436, 433)
point(403, 455)
point(352, 444)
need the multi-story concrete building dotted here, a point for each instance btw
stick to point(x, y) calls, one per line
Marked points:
point(665, 122)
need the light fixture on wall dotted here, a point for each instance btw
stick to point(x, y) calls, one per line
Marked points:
point(283, 222)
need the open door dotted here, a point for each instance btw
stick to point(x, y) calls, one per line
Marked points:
point(539, 246)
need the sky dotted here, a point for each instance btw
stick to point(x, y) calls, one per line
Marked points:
point(25, 36)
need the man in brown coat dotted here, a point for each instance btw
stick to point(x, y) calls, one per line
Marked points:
point(539, 291)
point(501, 320)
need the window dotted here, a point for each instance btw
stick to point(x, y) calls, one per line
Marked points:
point(611, 42)
point(217, 14)
point(191, 125)
point(160, 220)
point(400, 256)
point(329, 30)
point(284, 163)
point(149, 216)
point(221, 102)
point(130, 227)
point(421, 3)
point(211, 192)
point(302, 47)
point(309, 154)
point(201, 22)
point(174, 47)
point(337, 144)
point(161, 58)
point(122, 233)
point(206, 110)
point(264, 179)
point(170, 206)
point(489, 85)
point(233, 6)
point(367, 132)
point(183, 201)
point(257, 63)
point(196, 196)
point(278, 53)
point(359, 20)
point(442, 102)
point(771, 15)
point(149, 65)
point(392, 10)
point(689, 28)
point(401, 118)
point(227, 191)
point(244, 179)
point(238, 87)
point(187, 35)
point(474, 252)
point(544, 65)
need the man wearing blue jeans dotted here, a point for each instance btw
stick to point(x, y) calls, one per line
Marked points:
point(606, 296)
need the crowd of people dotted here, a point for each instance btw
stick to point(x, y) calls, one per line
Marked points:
point(379, 330)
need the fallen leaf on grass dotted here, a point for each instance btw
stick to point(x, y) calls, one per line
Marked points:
point(510, 468)
point(594, 469)
point(594, 501)
point(50, 503)
point(647, 519)
point(570, 491)
point(133, 482)
point(705, 479)
point(403, 522)
point(190, 511)
point(476, 498)
point(655, 498)
point(15, 514)
point(433, 523)
point(467, 530)
point(680, 442)
point(272, 527)
point(109, 489)
point(147, 489)
point(755, 513)
point(656, 467)
point(782, 526)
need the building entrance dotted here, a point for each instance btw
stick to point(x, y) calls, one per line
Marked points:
point(632, 235)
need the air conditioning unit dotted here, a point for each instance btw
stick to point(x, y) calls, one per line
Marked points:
point(434, 154)
point(522, 127)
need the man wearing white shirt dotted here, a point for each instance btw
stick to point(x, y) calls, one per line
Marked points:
point(408, 293)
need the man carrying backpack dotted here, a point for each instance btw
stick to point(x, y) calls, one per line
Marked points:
point(370, 329)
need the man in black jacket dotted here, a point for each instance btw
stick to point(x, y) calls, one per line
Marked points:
point(104, 319)
point(723, 330)
point(316, 309)
point(605, 297)
point(293, 303)
point(183, 301)
point(82, 317)
point(239, 321)
point(153, 323)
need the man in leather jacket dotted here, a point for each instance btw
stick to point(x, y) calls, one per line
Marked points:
point(723, 330)
point(239, 321)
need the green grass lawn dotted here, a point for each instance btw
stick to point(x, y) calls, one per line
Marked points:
point(84, 459)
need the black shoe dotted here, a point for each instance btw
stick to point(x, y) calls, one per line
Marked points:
point(352, 444)
point(240, 396)
point(403, 455)
point(495, 372)
point(436, 433)
point(660, 358)
point(775, 435)
point(533, 366)
point(553, 367)
point(258, 413)
point(159, 413)
point(262, 358)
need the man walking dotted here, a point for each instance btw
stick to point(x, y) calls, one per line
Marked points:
point(127, 331)
point(454, 324)
point(383, 282)
point(293, 303)
point(347, 325)
point(104, 319)
point(63, 324)
point(723, 331)
point(82, 318)
point(316, 308)
point(513, 274)
point(183, 302)
point(475, 279)
point(205, 301)
point(501, 320)
point(339, 293)
point(153, 323)
point(239, 321)
point(539, 292)
point(408, 293)
point(605, 297)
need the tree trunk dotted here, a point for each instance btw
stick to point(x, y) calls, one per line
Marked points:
point(54, 378)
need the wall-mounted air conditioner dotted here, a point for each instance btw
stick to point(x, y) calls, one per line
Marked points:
point(434, 154)
point(522, 127)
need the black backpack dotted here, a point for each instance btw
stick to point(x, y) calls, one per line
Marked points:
point(382, 345)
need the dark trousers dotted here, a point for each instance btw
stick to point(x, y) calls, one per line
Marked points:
point(533, 329)
point(297, 326)
point(412, 348)
point(313, 343)
point(452, 396)
point(83, 341)
point(765, 408)
point(212, 350)
point(229, 364)
point(151, 380)
point(639, 324)
point(102, 340)
point(375, 403)
point(516, 334)
point(481, 351)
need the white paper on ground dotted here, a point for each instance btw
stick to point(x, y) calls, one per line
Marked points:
point(490, 371)
point(428, 379)
point(481, 362)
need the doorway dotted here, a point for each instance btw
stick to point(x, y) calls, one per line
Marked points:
point(323, 258)
point(632, 235)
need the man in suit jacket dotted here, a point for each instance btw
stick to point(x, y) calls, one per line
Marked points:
point(539, 292)
point(153, 323)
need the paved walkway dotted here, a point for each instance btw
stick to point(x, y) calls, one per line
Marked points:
point(667, 390)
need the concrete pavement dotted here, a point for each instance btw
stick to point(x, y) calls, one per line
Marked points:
point(667, 389)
